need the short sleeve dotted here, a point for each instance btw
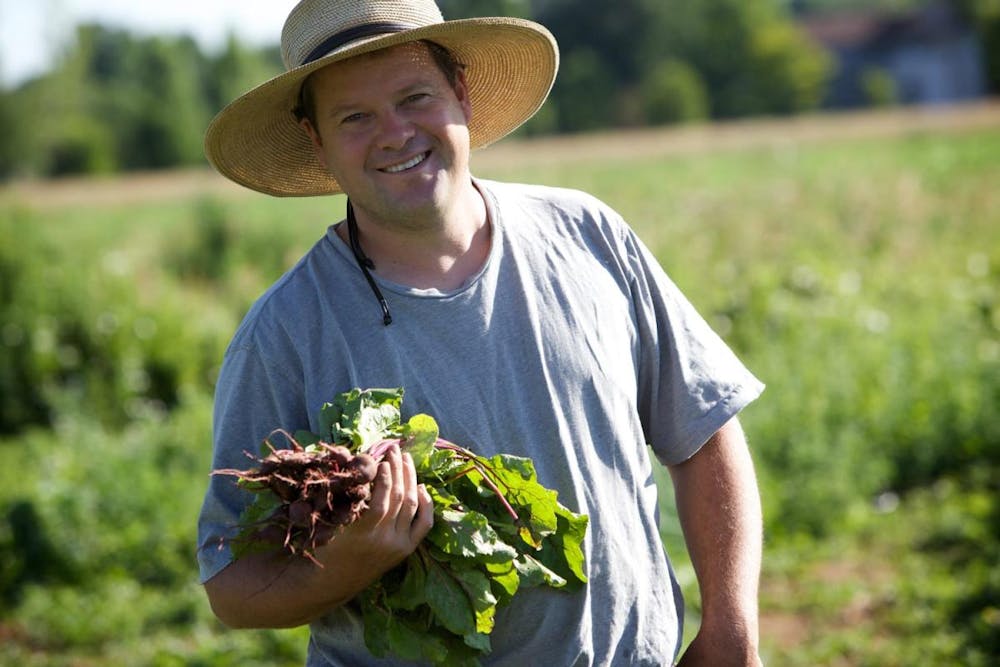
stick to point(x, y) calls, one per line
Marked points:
point(252, 399)
point(690, 382)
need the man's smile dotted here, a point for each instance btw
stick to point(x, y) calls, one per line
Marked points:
point(409, 164)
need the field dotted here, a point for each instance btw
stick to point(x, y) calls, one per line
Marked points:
point(852, 261)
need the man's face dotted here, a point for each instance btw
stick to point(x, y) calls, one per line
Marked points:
point(393, 132)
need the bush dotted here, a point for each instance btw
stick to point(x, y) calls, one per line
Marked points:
point(880, 88)
point(84, 340)
point(82, 146)
point(673, 92)
point(584, 92)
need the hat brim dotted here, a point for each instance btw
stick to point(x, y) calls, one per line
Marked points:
point(510, 64)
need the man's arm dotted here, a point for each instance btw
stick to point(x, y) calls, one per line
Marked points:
point(275, 591)
point(720, 514)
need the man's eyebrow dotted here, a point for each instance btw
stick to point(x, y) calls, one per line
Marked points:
point(341, 109)
point(347, 106)
point(415, 88)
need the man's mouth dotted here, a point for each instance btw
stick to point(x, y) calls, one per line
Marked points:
point(409, 164)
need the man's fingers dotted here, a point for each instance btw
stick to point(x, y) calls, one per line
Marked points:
point(381, 503)
point(409, 502)
point(400, 509)
point(424, 519)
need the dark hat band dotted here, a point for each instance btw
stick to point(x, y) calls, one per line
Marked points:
point(345, 36)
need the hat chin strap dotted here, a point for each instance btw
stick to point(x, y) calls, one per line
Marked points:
point(337, 40)
point(365, 263)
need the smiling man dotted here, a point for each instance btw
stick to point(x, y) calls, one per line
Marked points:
point(393, 131)
point(528, 320)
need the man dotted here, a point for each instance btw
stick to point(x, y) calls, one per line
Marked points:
point(527, 320)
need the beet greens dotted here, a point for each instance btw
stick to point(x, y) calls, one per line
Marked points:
point(496, 528)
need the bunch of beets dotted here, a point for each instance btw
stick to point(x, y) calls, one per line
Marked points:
point(318, 490)
point(497, 530)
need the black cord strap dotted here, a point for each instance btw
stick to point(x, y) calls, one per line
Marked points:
point(365, 263)
point(337, 40)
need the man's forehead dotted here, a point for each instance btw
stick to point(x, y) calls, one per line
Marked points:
point(417, 54)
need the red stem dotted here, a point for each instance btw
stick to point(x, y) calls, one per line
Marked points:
point(477, 463)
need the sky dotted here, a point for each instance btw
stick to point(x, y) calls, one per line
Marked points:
point(33, 31)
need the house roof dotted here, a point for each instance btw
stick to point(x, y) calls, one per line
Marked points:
point(858, 29)
point(843, 29)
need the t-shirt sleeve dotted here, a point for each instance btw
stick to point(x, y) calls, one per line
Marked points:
point(690, 382)
point(253, 398)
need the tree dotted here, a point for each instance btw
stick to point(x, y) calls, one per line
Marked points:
point(751, 57)
point(460, 9)
point(12, 138)
point(673, 92)
point(237, 69)
point(585, 92)
point(985, 17)
point(172, 111)
point(610, 29)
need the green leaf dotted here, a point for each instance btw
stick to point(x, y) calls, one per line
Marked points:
point(449, 601)
point(506, 579)
point(570, 534)
point(479, 641)
point(562, 552)
point(460, 654)
point(477, 587)
point(402, 636)
point(534, 573)
point(361, 417)
point(410, 593)
point(377, 621)
point(375, 423)
point(253, 515)
point(306, 438)
point(535, 504)
point(420, 434)
point(468, 534)
point(442, 465)
point(442, 499)
point(413, 643)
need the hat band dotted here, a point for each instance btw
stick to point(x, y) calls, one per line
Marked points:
point(343, 37)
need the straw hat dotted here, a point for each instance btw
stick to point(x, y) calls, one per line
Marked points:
point(256, 141)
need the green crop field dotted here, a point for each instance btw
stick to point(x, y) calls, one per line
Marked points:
point(854, 265)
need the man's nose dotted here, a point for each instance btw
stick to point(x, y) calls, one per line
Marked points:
point(394, 130)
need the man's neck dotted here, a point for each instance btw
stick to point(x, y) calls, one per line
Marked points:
point(442, 252)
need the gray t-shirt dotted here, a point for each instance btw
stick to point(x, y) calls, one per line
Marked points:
point(571, 347)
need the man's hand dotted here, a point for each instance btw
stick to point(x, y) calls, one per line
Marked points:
point(718, 650)
point(268, 591)
point(399, 515)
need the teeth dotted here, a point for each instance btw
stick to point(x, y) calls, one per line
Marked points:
point(406, 165)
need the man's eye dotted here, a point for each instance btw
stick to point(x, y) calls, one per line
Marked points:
point(416, 97)
point(352, 118)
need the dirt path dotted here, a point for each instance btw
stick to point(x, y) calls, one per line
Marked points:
point(639, 143)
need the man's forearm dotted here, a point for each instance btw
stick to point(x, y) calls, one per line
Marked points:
point(276, 591)
point(719, 508)
point(269, 591)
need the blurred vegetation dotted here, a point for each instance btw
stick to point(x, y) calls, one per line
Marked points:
point(860, 279)
point(117, 101)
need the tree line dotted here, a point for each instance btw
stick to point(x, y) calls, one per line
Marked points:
point(116, 101)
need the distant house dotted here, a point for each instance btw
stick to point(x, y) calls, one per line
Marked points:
point(927, 56)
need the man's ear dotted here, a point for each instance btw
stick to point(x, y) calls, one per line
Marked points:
point(462, 93)
point(314, 138)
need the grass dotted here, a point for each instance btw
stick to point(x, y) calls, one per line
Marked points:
point(912, 583)
point(858, 274)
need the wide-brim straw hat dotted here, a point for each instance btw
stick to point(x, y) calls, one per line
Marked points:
point(257, 142)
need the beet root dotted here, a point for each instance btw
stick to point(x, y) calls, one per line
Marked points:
point(320, 489)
